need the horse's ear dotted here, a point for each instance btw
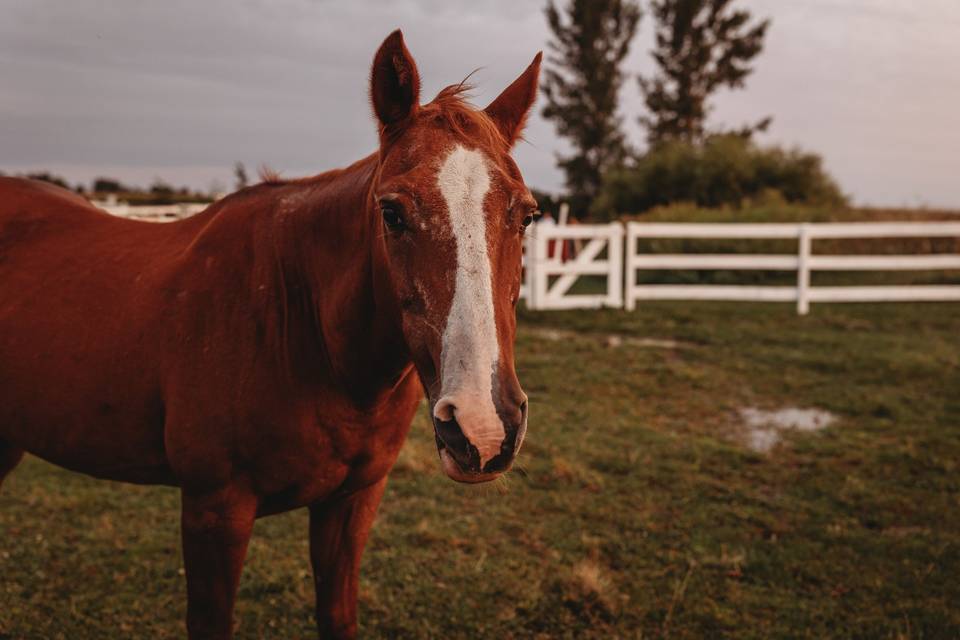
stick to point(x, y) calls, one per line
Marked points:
point(394, 81)
point(511, 108)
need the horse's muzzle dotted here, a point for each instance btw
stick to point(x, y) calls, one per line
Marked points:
point(460, 458)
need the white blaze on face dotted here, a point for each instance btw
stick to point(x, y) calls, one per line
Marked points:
point(470, 348)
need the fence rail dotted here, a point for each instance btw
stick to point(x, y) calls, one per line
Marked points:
point(153, 212)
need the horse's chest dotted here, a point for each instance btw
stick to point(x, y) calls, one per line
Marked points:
point(334, 453)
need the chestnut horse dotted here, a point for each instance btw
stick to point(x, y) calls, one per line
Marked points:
point(269, 353)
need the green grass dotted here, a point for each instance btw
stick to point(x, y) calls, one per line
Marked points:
point(640, 512)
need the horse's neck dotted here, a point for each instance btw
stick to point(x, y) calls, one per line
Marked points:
point(342, 324)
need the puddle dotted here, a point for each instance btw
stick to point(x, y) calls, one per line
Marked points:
point(765, 428)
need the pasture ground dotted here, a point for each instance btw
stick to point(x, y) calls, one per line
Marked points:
point(639, 511)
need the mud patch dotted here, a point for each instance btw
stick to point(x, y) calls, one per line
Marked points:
point(766, 428)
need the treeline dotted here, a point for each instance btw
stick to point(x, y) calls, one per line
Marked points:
point(701, 46)
point(158, 193)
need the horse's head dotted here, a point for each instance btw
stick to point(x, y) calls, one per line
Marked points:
point(453, 208)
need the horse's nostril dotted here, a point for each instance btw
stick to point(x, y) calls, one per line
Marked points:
point(451, 434)
point(445, 410)
point(452, 438)
point(521, 428)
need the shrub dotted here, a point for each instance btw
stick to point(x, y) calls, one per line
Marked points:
point(725, 170)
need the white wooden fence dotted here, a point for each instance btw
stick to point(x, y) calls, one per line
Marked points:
point(549, 279)
point(542, 293)
point(152, 213)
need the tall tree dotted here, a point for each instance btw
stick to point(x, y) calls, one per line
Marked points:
point(701, 46)
point(581, 83)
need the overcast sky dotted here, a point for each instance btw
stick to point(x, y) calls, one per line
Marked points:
point(181, 89)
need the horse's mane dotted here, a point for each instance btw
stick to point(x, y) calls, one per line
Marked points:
point(272, 178)
point(269, 175)
point(452, 106)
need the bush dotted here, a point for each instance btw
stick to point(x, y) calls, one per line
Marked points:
point(46, 176)
point(108, 185)
point(726, 170)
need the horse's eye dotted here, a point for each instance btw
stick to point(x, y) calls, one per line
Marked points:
point(392, 216)
point(527, 221)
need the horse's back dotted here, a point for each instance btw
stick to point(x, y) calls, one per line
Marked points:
point(36, 213)
point(75, 306)
point(23, 199)
point(13, 188)
point(45, 232)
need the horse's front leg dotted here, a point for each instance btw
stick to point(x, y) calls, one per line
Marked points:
point(216, 528)
point(338, 533)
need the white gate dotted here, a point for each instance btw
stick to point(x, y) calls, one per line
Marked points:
point(549, 278)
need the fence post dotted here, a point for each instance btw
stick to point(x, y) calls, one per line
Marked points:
point(530, 266)
point(803, 270)
point(540, 275)
point(630, 274)
point(615, 260)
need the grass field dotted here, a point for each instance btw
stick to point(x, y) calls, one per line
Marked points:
point(639, 511)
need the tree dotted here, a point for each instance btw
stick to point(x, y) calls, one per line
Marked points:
point(108, 185)
point(590, 40)
point(161, 193)
point(240, 175)
point(701, 46)
point(161, 188)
